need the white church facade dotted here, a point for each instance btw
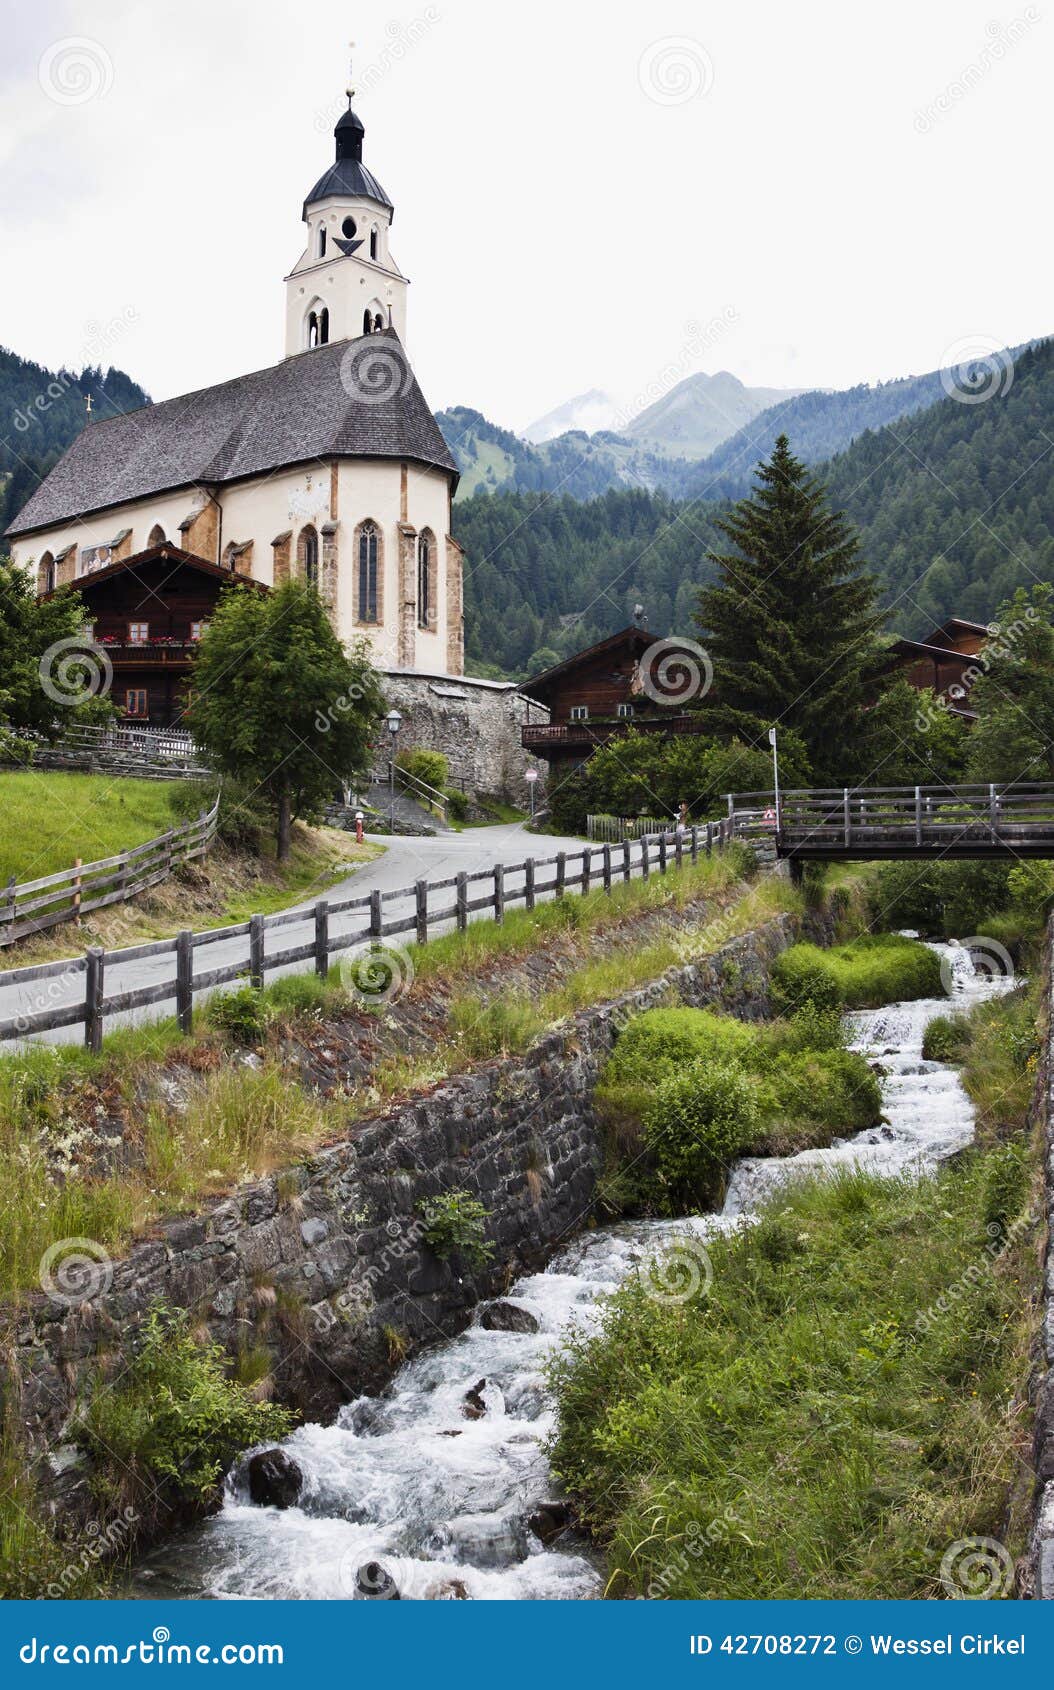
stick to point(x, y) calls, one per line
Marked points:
point(327, 467)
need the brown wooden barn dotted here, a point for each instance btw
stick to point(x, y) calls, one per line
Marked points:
point(945, 660)
point(147, 613)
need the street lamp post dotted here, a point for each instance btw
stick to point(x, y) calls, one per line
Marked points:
point(531, 777)
point(775, 775)
point(393, 722)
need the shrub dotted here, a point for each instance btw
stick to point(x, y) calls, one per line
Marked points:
point(882, 968)
point(431, 767)
point(13, 750)
point(945, 1039)
point(695, 1125)
point(454, 1223)
point(170, 1427)
point(243, 821)
point(457, 803)
point(241, 1014)
point(1005, 1187)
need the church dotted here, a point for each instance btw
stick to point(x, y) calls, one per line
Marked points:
point(328, 467)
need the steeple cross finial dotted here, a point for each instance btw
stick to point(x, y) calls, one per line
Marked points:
point(350, 90)
point(87, 405)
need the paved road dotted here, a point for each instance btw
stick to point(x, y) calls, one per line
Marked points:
point(404, 861)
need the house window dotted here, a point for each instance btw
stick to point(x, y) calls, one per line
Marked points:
point(197, 629)
point(135, 701)
point(138, 633)
point(580, 712)
point(368, 572)
point(426, 609)
point(624, 712)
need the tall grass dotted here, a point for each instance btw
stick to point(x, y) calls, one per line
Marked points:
point(48, 818)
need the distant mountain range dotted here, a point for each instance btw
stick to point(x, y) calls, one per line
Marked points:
point(587, 413)
point(693, 418)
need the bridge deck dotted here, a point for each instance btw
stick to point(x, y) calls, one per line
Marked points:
point(887, 823)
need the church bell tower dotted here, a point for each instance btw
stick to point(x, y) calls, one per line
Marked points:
point(346, 283)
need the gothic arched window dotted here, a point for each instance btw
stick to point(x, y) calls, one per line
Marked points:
point(307, 555)
point(156, 537)
point(375, 242)
point(367, 572)
point(46, 574)
point(312, 328)
point(322, 240)
point(367, 321)
point(426, 580)
point(323, 326)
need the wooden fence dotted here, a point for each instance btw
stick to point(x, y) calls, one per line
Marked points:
point(149, 753)
point(32, 906)
point(1015, 820)
point(579, 871)
point(613, 830)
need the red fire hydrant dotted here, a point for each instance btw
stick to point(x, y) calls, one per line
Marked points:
point(358, 827)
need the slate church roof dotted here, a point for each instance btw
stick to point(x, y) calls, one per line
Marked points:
point(349, 399)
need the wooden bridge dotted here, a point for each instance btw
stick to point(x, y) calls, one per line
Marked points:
point(869, 823)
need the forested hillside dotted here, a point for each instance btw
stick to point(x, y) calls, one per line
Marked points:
point(43, 410)
point(955, 505)
point(492, 460)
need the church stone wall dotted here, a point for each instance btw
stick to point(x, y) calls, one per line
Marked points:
point(475, 724)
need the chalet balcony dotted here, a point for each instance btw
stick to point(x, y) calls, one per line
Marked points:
point(149, 654)
point(567, 736)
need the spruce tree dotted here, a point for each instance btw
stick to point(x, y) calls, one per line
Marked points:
point(790, 624)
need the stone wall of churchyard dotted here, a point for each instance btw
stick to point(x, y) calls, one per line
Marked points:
point(475, 724)
point(324, 1264)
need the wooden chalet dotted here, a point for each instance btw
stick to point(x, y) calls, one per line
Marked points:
point(600, 693)
point(148, 612)
point(942, 660)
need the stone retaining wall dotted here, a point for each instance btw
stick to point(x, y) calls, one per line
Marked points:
point(324, 1266)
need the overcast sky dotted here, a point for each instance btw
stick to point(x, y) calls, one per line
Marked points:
point(588, 193)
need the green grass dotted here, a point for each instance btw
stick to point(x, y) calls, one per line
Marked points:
point(687, 1091)
point(48, 819)
point(847, 1396)
point(810, 1427)
point(880, 968)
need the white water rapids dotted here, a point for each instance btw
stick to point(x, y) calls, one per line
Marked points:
point(443, 1502)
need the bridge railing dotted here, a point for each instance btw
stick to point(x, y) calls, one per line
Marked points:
point(841, 817)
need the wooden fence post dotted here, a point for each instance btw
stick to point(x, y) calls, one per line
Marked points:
point(461, 901)
point(695, 843)
point(77, 865)
point(678, 848)
point(993, 813)
point(256, 952)
point(528, 884)
point(627, 860)
point(607, 869)
point(499, 893)
point(322, 939)
point(847, 823)
point(918, 815)
point(561, 872)
point(709, 839)
point(93, 999)
point(587, 868)
point(421, 896)
point(376, 915)
point(662, 853)
point(185, 979)
point(11, 899)
point(645, 867)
